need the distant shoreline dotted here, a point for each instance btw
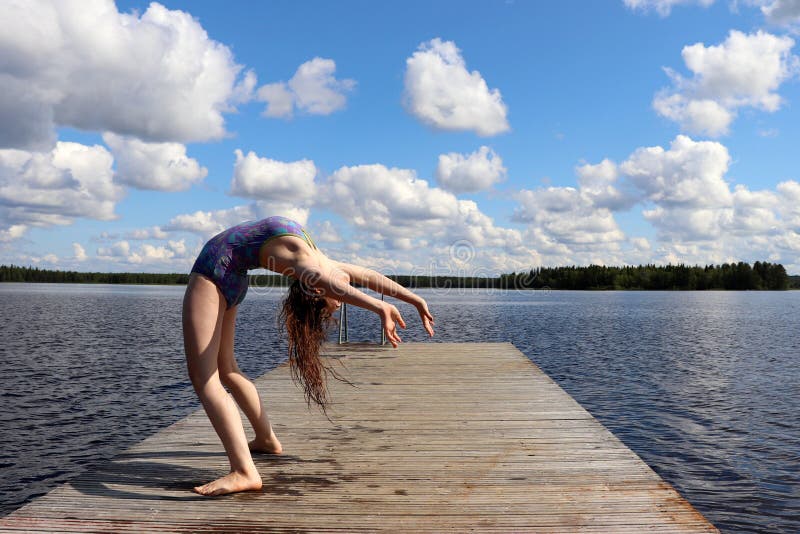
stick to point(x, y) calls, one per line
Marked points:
point(739, 276)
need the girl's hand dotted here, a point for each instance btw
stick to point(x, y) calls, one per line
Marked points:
point(390, 317)
point(425, 315)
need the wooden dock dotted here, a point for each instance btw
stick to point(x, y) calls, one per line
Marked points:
point(433, 437)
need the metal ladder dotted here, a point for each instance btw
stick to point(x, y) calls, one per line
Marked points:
point(343, 337)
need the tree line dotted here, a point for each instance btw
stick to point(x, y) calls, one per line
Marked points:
point(15, 273)
point(732, 276)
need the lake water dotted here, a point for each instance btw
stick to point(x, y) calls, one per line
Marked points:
point(704, 386)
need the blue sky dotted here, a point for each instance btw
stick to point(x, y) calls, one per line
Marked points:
point(477, 137)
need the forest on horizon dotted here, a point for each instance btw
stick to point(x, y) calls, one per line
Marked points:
point(727, 276)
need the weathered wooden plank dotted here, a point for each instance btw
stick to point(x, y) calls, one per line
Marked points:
point(429, 437)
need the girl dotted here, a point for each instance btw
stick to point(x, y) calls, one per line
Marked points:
point(218, 283)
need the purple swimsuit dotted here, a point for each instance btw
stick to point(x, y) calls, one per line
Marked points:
point(227, 256)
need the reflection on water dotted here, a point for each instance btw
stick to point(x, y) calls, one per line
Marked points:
point(705, 387)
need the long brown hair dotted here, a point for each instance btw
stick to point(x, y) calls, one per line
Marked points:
point(307, 321)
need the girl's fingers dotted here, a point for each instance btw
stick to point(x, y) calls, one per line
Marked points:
point(390, 336)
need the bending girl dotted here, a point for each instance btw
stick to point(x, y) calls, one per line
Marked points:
point(218, 284)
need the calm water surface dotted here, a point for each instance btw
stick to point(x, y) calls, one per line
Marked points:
point(704, 386)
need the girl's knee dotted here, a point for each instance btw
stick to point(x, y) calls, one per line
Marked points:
point(230, 377)
point(227, 366)
point(207, 386)
point(199, 372)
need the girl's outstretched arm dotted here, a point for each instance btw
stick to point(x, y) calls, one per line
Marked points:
point(385, 286)
point(377, 282)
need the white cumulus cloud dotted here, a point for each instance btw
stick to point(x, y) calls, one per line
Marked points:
point(418, 222)
point(119, 249)
point(53, 188)
point(209, 223)
point(82, 63)
point(685, 195)
point(326, 232)
point(268, 179)
point(388, 201)
point(568, 216)
point(686, 183)
point(157, 166)
point(12, 232)
point(569, 225)
point(702, 116)
point(171, 255)
point(313, 89)
point(600, 183)
point(470, 173)
point(141, 234)
point(442, 93)
point(690, 173)
point(662, 7)
point(746, 70)
point(79, 252)
point(640, 243)
point(782, 12)
point(694, 208)
point(778, 12)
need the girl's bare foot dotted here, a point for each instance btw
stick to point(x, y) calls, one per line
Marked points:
point(270, 445)
point(231, 483)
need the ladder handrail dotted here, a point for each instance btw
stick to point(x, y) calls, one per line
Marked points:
point(343, 334)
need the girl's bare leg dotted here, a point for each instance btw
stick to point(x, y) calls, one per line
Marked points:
point(244, 391)
point(203, 314)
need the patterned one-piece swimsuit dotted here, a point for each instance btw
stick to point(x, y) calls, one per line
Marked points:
point(227, 256)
